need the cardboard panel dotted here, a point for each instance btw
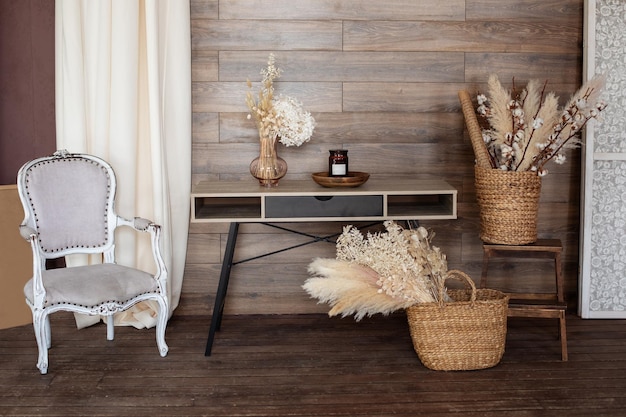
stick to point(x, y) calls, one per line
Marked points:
point(15, 261)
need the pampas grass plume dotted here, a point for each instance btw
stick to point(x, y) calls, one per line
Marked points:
point(349, 289)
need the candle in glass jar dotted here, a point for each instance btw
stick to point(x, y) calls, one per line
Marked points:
point(338, 163)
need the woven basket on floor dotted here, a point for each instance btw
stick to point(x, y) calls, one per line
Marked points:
point(509, 205)
point(464, 334)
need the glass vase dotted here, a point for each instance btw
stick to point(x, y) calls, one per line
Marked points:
point(268, 167)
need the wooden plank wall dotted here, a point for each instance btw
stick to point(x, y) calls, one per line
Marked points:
point(381, 79)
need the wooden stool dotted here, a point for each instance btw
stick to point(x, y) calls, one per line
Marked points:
point(541, 305)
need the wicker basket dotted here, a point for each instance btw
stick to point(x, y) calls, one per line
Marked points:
point(509, 204)
point(464, 334)
point(508, 200)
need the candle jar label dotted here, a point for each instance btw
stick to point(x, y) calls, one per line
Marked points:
point(338, 163)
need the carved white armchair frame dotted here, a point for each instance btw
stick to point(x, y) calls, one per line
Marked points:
point(68, 202)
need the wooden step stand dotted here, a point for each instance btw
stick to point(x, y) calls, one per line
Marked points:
point(540, 305)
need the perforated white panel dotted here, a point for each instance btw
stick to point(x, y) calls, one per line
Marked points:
point(603, 255)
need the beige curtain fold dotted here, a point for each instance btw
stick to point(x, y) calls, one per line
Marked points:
point(123, 92)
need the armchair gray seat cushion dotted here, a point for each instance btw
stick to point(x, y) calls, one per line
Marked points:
point(92, 285)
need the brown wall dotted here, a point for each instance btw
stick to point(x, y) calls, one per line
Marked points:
point(381, 78)
point(27, 126)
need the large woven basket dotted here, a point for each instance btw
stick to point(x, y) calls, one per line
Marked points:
point(509, 205)
point(466, 333)
point(508, 200)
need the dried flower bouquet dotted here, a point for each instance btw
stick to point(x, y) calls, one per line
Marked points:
point(526, 129)
point(378, 273)
point(281, 117)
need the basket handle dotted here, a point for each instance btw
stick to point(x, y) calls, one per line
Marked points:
point(462, 277)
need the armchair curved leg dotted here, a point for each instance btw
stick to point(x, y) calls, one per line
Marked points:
point(161, 325)
point(41, 324)
point(48, 332)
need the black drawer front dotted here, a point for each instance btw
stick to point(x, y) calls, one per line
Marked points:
point(323, 206)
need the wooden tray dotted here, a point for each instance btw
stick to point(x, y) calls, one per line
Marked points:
point(353, 179)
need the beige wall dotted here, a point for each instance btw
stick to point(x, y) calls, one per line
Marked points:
point(381, 79)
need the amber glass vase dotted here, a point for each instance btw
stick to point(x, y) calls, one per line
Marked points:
point(268, 167)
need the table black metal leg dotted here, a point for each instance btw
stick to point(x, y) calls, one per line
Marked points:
point(222, 288)
point(227, 263)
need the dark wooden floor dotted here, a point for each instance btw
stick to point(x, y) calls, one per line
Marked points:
point(308, 365)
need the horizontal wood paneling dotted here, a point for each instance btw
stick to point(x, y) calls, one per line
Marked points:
point(230, 96)
point(204, 66)
point(343, 9)
point(360, 127)
point(556, 68)
point(401, 97)
point(203, 248)
point(497, 37)
point(381, 79)
point(204, 9)
point(550, 11)
point(205, 127)
point(385, 159)
point(246, 35)
point(348, 66)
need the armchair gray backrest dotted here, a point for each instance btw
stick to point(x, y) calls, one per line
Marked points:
point(69, 208)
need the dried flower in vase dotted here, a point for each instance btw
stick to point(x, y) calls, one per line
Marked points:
point(281, 117)
point(526, 129)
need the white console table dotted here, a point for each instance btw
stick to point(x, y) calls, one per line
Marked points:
point(306, 201)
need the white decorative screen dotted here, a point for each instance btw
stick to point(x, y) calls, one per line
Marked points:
point(603, 249)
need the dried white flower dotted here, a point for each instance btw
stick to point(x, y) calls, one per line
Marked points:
point(507, 151)
point(552, 129)
point(294, 125)
point(559, 159)
point(408, 270)
point(281, 117)
point(271, 72)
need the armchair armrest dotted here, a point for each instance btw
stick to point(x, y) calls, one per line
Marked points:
point(142, 224)
point(138, 223)
point(27, 232)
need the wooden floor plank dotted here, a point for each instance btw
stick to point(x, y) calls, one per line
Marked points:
point(308, 365)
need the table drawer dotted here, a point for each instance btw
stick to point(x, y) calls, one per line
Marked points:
point(324, 206)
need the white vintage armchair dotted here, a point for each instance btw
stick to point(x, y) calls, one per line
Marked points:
point(68, 202)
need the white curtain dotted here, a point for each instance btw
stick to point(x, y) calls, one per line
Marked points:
point(123, 92)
